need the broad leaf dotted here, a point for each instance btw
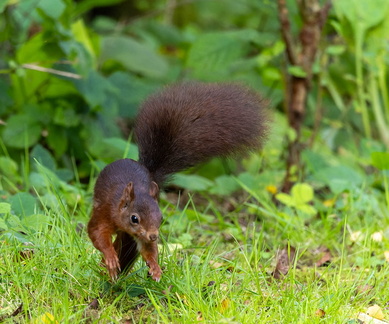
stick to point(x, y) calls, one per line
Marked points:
point(52, 8)
point(302, 193)
point(133, 55)
point(380, 160)
point(35, 222)
point(21, 131)
point(130, 92)
point(192, 182)
point(23, 204)
point(215, 50)
point(339, 178)
point(42, 156)
point(5, 208)
point(225, 185)
point(94, 88)
point(286, 199)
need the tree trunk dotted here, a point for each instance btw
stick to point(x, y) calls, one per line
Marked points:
point(302, 54)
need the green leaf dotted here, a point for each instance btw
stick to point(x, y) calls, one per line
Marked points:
point(195, 216)
point(3, 224)
point(314, 160)
point(339, 178)
point(5, 208)
point(224, 185)
point(133, 290)
point(40, 155)
point(3, 4)
point(297, 71)
point(301, 193)
point(130, 92)
point(13, 222)
point(134, 56)
point(192, 182)
point(52, 8)
point(310, 210)
point(23, 204)
point(286, 199)
point(84, 60)
point(269, 53)
point(38, 181)
point(66, 116)
point(21, 131)
point(185, 239)
point(81, 35)
point(117, 147)
point(249, 180)
point(50, 200)
point(113, 148)
point(9, 168)
point(362, 14)
point(336, 49)
point(64, 174)
point(94, 89)
point(380, 160)
point(36, 221)
point(57, 139)
point(270, 73)
point(215, 52)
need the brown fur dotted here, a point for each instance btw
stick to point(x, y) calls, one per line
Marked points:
point(123, 189)
point(183, 125)
point(189, 123)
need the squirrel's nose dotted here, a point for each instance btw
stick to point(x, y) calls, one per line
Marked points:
point(153, 237)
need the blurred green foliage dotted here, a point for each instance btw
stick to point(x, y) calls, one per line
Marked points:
point(73, 74)
point(73, 80)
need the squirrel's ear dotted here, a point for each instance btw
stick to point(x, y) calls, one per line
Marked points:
point(128, 195)
point(129, 191)
point(154, 190)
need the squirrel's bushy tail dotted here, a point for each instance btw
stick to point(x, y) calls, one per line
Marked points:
point(189, 123)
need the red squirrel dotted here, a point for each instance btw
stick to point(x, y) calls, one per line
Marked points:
point(183, 125)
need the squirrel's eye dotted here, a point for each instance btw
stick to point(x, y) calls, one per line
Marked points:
point(134, 219)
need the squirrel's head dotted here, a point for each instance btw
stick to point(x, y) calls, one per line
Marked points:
point(139, 212)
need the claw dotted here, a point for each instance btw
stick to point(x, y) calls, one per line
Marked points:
point(155, 272)
point(113, 267)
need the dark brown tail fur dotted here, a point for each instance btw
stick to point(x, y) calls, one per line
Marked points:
point(125, 247)
point(189, 123)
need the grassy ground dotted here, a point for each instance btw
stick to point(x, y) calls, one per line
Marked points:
point(218, 268)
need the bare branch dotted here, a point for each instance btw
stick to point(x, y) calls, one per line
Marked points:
point(52, 71)
point(285, 31)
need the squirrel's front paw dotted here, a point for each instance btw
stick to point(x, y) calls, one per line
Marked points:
point(155, 271)
point(113, 266)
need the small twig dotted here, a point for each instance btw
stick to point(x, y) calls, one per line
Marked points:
point(52, 71)
point(285, 30)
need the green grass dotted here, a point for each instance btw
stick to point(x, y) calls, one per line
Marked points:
point(221, 275)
